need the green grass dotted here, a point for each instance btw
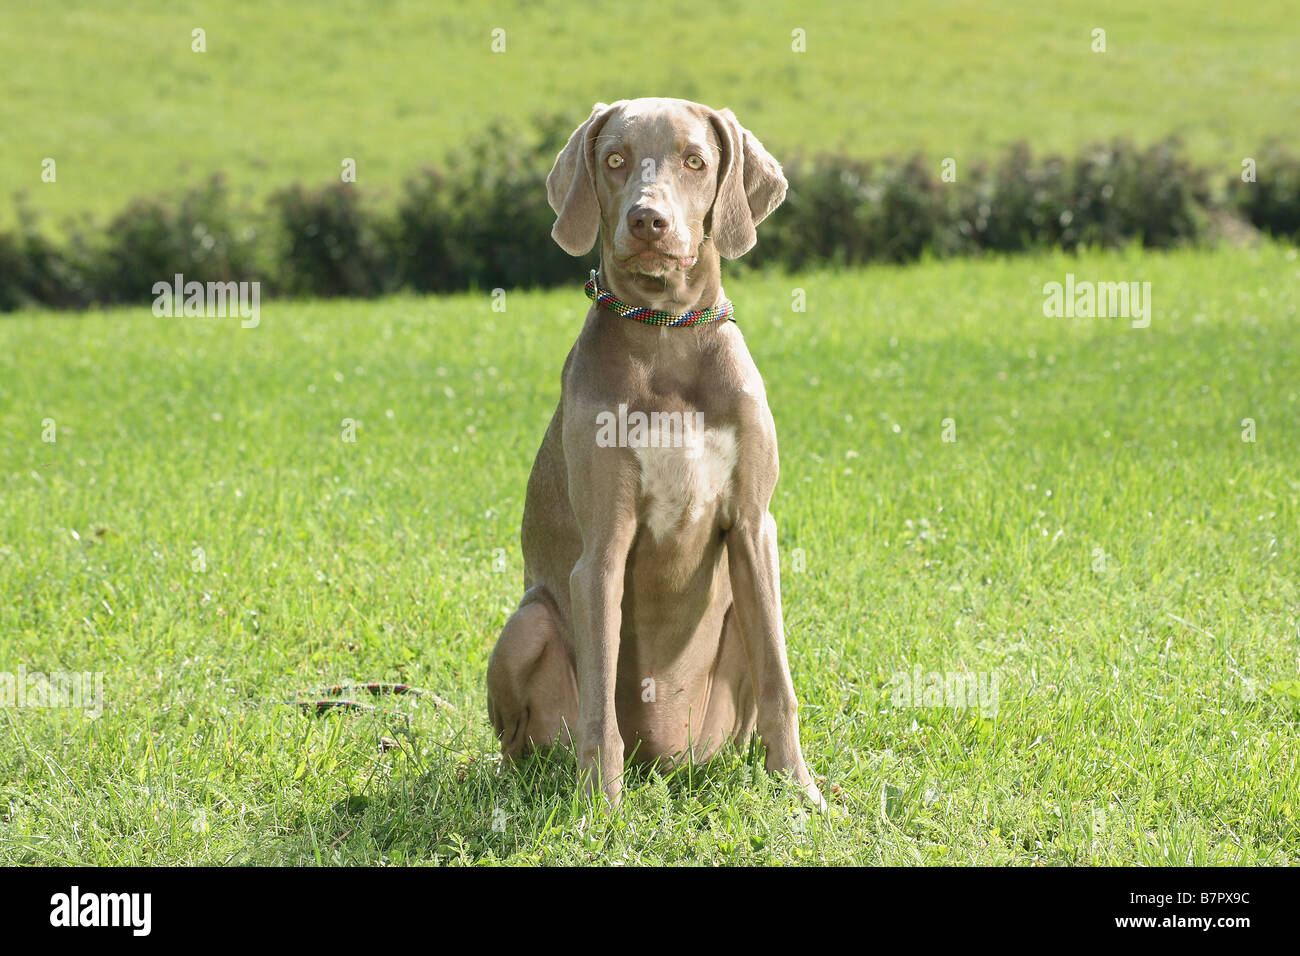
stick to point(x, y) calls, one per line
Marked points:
point(1148, 711)
point(286, 90)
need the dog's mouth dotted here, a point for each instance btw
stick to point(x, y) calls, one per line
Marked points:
point(656, 262)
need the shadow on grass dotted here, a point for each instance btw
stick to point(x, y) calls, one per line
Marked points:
point(456, 804)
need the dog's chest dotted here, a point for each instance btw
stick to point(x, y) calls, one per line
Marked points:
point(686, 482)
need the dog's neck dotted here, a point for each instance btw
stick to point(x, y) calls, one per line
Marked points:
point(678, 292)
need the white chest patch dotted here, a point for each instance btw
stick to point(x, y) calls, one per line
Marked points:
point(683, 484)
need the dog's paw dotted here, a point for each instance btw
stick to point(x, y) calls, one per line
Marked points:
point(812, 796)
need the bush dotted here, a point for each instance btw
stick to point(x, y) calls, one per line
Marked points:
point(824, 219)
point(13, 273)
point(1018, 206)
point(912, 213)
point(154, 239)
point(486, 222)
point(482, 221)
point(1121, 193)
point(1272, 202)
point(423, 232)
point(329, 245)
point(33, 271)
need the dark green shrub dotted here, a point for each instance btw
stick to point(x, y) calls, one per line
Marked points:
point(482, 221)
point(844, 212)
point(486, 222)
point(1272, 202)
point(60, 277)
point(152, 240)
point(826, 218)
point(422, 235)
point(1120, 193)
point(34, 271)
point(13, 271)
point(330, 245)
point(913, 211)
point(1017, 206)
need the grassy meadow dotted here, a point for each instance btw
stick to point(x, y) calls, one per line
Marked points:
point(1105, 519)
point(1099, 536)
point(284, 92)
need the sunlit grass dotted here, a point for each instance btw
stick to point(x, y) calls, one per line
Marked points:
point(200, 534)
point(285, 91)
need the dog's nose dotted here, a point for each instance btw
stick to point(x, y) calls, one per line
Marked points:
point(648, 223)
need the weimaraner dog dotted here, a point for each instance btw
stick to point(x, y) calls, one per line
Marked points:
point(650, 624)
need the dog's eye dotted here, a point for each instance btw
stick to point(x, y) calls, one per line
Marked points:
point(613, 160)
point(695, 161)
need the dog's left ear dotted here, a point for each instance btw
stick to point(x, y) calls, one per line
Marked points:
point(751, 185)
point(571, 187)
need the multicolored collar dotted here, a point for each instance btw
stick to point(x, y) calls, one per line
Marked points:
point(607, 299)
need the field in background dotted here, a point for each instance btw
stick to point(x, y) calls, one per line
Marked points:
point(1099, 536)
point(115, 95)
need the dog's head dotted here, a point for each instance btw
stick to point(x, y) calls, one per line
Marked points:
point(660, 176)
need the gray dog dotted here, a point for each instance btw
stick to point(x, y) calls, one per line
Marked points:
point(651, 618)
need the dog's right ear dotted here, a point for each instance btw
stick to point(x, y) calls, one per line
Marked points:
point(571, 187)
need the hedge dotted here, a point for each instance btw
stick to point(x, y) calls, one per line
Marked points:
point(482, 221)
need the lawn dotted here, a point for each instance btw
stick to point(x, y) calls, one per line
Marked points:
point(1099, 539)
point(117, 97)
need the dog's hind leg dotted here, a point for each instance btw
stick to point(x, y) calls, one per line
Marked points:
point(532, 688)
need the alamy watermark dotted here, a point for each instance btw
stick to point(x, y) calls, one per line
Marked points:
point(210, 300)
point(1098, 300)
point(75, 908)
point(36, 690)
point(960, 690)
point(624, 429)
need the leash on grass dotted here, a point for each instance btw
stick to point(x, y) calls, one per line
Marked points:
point(330, 699)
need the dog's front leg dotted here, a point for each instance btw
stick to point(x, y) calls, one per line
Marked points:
point(756, 593)
point(596, 591)
point(601, 488)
